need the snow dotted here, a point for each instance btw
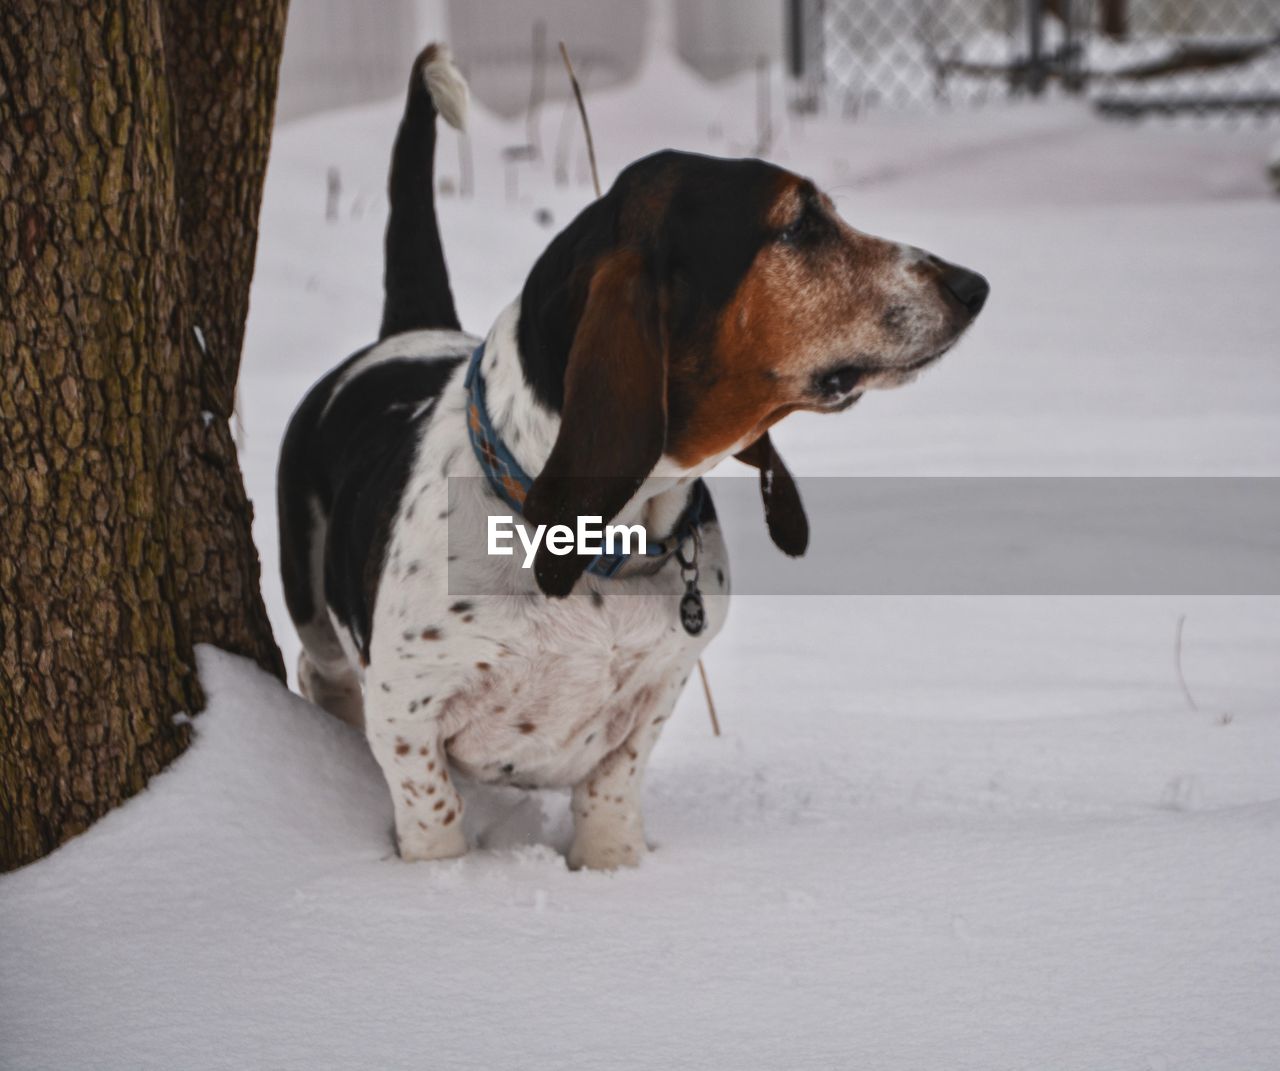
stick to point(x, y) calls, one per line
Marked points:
point(961, 833)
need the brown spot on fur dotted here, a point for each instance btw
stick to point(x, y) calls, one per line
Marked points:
point(484, 667)
point(430, 634)
point(439, 805)
point(449, 818)
point(526, 727)
point(402, 747)
point(460, 607)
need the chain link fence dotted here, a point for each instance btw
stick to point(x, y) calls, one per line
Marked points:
point(1131, 58)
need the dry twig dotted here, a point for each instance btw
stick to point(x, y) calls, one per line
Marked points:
point(1177, 661)
point(582, 111)
point(711, 706)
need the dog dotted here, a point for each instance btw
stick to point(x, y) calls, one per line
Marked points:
point(668, 327)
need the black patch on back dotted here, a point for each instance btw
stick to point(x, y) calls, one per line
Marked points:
point(299, 477)
point(354, 459)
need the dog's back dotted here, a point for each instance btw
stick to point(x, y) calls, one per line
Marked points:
point(349, 445)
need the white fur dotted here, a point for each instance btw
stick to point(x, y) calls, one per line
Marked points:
point(519, 688)
point(447, 87)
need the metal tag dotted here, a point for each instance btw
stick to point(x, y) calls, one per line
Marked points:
point(693, 615)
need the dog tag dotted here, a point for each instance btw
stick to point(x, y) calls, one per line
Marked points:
point(693, 615)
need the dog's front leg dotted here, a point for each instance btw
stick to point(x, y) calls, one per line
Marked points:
point(608, 827)
point(410, 751)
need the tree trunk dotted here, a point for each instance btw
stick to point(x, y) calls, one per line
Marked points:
point(124, 536)
point(222, 60)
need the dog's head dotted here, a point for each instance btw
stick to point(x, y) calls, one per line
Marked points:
point(695, 305)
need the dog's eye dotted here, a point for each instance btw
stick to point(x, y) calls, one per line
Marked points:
point(805, 228)
point(838, 381)
point(794, 231)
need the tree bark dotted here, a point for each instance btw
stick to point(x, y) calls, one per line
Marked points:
point(124, 536)
point(223, 60)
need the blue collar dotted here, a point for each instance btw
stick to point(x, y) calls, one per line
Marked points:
point(511, 483)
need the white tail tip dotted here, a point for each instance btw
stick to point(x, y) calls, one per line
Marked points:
point(446, 85)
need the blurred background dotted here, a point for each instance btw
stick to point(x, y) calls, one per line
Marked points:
point(1208, 58)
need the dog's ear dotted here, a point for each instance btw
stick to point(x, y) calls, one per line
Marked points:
point(783, 510)
point(613, 422)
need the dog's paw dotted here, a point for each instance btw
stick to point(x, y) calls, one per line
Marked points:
point(422, 845)
point(595, 853)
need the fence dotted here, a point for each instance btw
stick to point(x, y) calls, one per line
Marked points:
point(1131, 58)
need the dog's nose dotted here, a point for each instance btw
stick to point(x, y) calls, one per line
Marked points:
point(968, 288)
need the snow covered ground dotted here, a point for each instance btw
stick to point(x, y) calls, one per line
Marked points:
point(941, 833)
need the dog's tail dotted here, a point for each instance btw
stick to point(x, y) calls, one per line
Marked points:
point(416, 280)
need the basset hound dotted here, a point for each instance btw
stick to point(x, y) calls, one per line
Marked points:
point(668, 327)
